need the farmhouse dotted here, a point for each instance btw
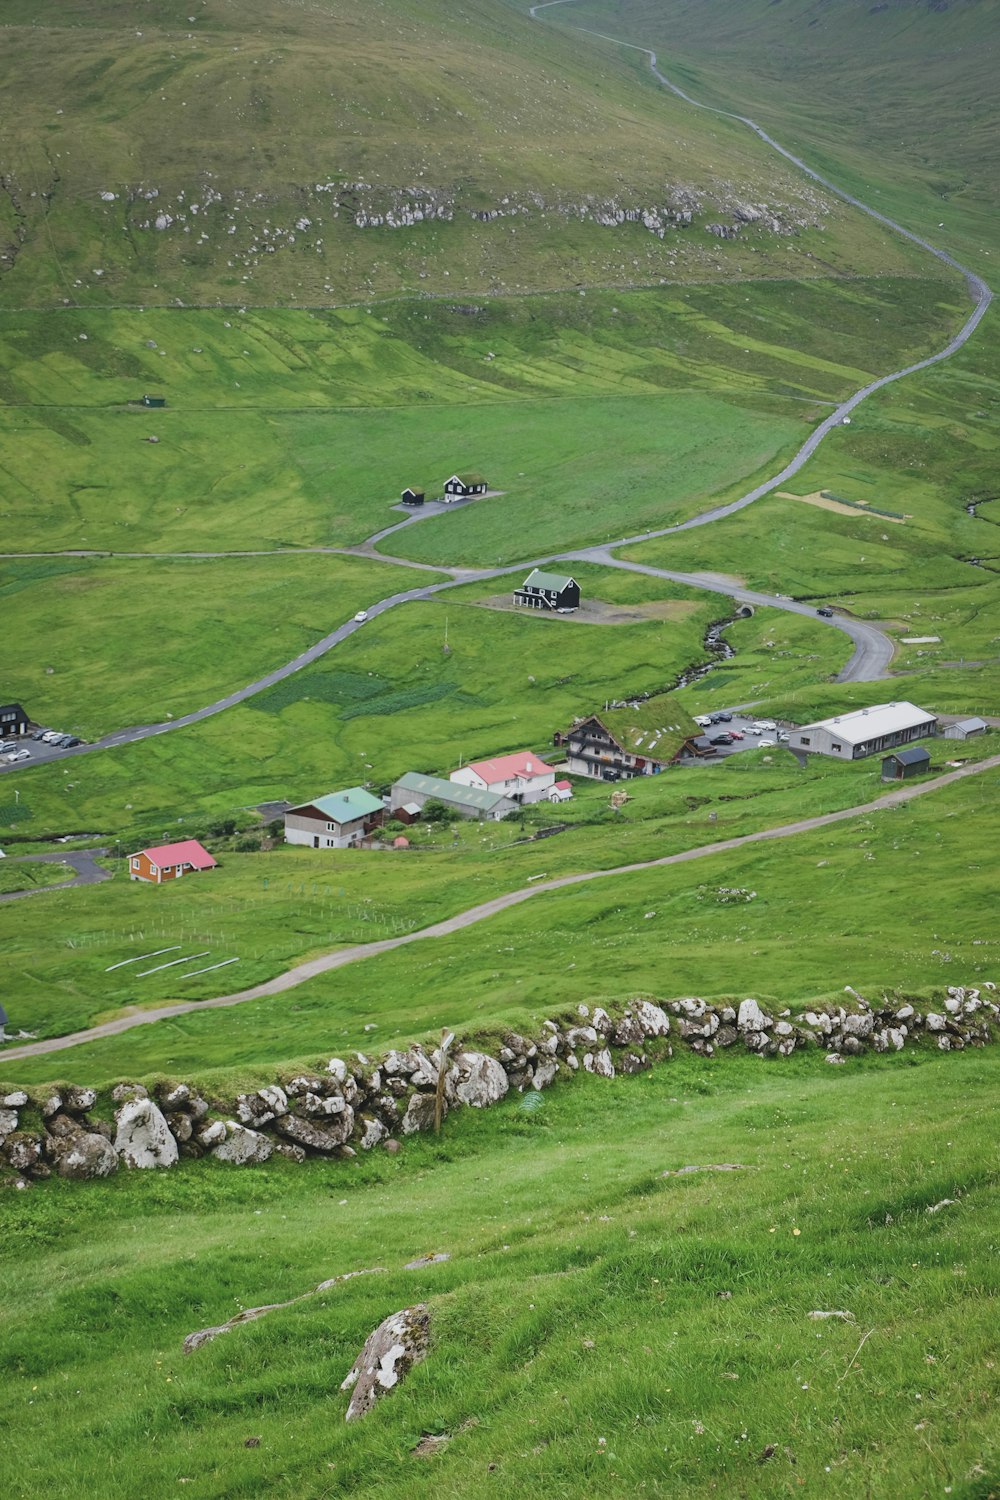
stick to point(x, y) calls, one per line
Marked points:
point(412, 497)
point(13, 719)
point(548, 591)
point(339, 820)
point(864, 731)
point(468, 801)
point(562, 791)
point(636, 740)
point(169, 861)
point(962, 729)
point(462, 486)
point(902, 764)
point(522, 777)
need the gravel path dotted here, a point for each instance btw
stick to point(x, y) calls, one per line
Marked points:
point(357, 952)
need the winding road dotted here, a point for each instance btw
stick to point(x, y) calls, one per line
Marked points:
point(357, 952)
point(873, 648)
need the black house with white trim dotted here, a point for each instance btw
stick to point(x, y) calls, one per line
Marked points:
point(411, 496)
point(542, 590)
point(13, 719)
point(462, 486)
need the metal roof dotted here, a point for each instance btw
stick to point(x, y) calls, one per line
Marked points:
point(188, 852)
point(537, 579)
point(504, 767)
point(913, 756)
point(863, 724)
point(343, 807)
point(449, 791)
point(969, 725)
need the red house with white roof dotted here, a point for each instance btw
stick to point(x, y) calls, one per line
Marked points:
point(169, 861)
point(522, 777)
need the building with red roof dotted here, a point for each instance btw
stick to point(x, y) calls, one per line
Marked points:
point(522, 777)
point(169, 861)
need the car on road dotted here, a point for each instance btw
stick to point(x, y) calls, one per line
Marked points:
point(361, 617)
point(17, 755)
point(825, 611)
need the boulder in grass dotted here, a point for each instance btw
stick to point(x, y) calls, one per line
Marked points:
point(243, 1147)
point(751, 1018)
point(397, 1344)
point(87, 1156)
point(143, 1139)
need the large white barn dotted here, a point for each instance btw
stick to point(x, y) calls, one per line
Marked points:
point(864, 731)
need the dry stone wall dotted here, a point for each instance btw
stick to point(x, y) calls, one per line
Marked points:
point(359, 1103)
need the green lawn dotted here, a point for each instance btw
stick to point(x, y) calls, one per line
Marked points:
point(20, 877)
point(598, 1327)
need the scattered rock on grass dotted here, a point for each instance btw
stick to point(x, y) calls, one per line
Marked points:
point(397, 1344)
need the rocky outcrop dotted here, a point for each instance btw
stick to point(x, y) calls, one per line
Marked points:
point(363, 1103)
point(397, 1344)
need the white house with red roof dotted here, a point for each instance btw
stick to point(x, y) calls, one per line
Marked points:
point(522, 777)
point(169, 861)
point(561, 791)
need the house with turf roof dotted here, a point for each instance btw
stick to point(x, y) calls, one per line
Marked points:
point(340, 820)
point(633, 739)
point(554, 591)
point(463, 486)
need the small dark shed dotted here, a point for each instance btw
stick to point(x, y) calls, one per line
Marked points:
point(902, 764)
point(154, 400)
point(412, 497)
point(13, 719)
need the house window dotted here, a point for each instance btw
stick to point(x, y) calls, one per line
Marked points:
point(804, 739)
point(135, 864)
point(837, 748)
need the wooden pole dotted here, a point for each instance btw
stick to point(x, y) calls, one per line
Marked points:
point(447, 1037)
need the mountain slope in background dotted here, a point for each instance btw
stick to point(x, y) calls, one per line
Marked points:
point(270, 151)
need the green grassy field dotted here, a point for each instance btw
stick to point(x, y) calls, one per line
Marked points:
point(18, 877)
point(598, 1328)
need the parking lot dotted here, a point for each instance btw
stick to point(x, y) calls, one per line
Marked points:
point(753, 732)
point(25, 750)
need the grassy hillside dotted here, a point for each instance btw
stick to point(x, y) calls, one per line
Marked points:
point(598, 1328)
point(314, 154)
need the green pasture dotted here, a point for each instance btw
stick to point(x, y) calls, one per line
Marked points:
point(21, 877)
point(598, 1327)
point(174, 634)
point(416, 689)
point(666, 931)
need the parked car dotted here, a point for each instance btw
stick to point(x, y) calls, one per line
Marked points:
point(704, 720)
point(18, 755)
point(783, 738)
point(723, 717)
point(73, 739)
point(6, 745)
point(736, 734)
point(825, 611)
point(50, 736)
point(766, 744)
point(768, 726)
point(361, 616)
point(39, 734)
point(720, 739)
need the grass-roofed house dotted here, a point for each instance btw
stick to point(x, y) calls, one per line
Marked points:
point(638, 739)
point(463, 487)
point(340, 820)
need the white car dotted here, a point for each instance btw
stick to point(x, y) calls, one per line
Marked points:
point(18, 755)
point(703, 720)
point(765, 744)
point(361, 617)
point(767, 725)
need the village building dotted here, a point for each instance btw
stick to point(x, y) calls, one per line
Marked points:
point(902, 764)
point(638, 739)
point(541, 590)
point(340, 820)
point(522, 777)
point(169, 862)
point(467, 801)
point(463, 486)
point(963, 729)
point(864, 731)
point(13, 720)
point(411, 496)
point(561, 791)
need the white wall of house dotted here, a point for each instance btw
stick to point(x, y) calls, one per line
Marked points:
point(524, 788)
point(305, 831)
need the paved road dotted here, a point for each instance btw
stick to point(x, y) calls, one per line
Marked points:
point(83, 861)
point(873, 649)
point(339, 959)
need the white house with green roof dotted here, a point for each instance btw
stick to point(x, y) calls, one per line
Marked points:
point(340, 820)
point(552, 591)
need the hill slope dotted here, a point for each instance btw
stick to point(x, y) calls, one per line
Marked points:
point(277, 152)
